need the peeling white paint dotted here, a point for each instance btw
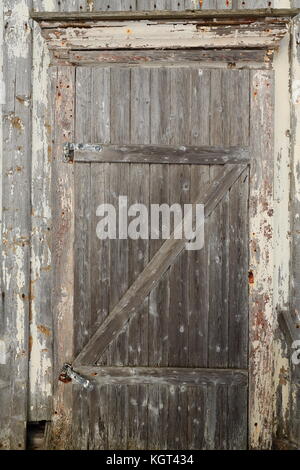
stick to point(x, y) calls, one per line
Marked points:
point(282, 223)
point(296, 91)
point(2, 87)
point(149, 34)
point(3, 357)
point(40, 365)
point(18, 29)
point(48, 5)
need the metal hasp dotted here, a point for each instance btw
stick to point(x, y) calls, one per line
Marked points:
point(69, 375)
point(70, 149)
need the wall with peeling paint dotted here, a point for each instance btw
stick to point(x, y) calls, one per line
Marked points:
point(26, 342)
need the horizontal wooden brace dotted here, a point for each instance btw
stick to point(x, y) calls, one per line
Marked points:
point(190, 155)
point(272, 13)
point(231, 58)
point(163, 376)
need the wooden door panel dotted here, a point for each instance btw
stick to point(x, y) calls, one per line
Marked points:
point(168, 357)
point(160, 417)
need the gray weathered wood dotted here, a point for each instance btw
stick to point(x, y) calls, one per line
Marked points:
point(166, 15)
point(163, 154)
point(159, 193)
point(238, 58)
point(165, 257)
point(63, 236)
point(289, 326)
point(82, 251)
point(119, 177)
point(162, 375)
point(16, 223)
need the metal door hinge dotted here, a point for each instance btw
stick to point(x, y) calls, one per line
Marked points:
point(68, 375)
point(70, 149)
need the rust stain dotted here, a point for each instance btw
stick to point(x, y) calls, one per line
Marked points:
point(283, 376)
point(64, 379)
point(129, 31)
point(251, 277)
point(30, 344)
point(17, 123)
point(44, 330)
point(268, 231)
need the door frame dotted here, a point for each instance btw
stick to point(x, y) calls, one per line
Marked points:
point(262, 314)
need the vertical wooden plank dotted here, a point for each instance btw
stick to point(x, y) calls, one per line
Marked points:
point(82, 292)
point(118, 186)
point(118, 177)
point(100, 129)
point(63, 256)
point(216, 106)
point(157, 417)
point(235, 93)
point(198, 260)
point(41, 334)
point(16, 223)
point(235, 107)
point(238, 274)
point(98, 415)
point(178, 418)
point(139, 256)
point(118, 429)
point(114, 5)
point(158, 322)
point(196, 417)
point(221, 440)
point(218, 283)
point(210, 417)
point(179, 193)
point(237, 425)
point(82, 250)
point(218, 228)
point(137, 417)
point(262, 315)
point(139, 194)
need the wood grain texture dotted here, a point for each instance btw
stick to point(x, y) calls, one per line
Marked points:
point(63, 273)
point(16, 223)
point(262, 316)
point(163, 376)
point(162, 154)
point(164, 258)
point(171, 14)
point(235, 58)
point(82, 315)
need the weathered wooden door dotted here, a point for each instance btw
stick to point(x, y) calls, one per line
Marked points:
point(161, 332)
